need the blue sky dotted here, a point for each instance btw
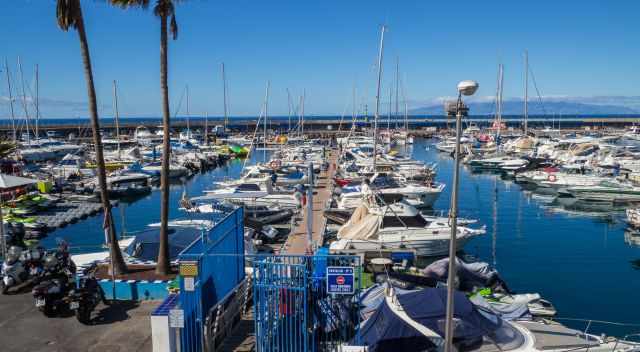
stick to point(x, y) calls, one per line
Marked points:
point(576, 48)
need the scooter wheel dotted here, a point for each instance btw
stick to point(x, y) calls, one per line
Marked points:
point(48, 310)
point(83, 315)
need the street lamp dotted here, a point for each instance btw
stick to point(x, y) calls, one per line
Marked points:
point(466, 88)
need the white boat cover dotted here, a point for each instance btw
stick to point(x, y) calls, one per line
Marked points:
point(361, 226)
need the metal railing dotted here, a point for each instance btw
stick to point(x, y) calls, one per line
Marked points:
point(293, 310)
point(590, 322)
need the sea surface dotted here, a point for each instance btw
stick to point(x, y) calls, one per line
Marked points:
point(577, 260)
point(157, 120)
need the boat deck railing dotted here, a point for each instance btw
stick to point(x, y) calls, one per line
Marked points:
point(634, 336)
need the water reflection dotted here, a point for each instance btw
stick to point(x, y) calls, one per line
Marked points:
point(632, 237)
point(554, 246)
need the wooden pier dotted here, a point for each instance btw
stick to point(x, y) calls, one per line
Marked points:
point(297, 241)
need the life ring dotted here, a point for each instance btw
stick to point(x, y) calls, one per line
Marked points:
point(552, 178)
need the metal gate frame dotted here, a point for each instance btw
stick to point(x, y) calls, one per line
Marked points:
point(214, 265)
point(292, 309)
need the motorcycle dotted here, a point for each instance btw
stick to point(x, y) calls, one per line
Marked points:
point(13, 271)
point(32, 261)
point(51, 294)
point(86, 296)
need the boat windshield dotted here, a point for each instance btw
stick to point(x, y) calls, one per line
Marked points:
point(505, 338)
point(391, 220)
point(248, 187)
point(384, 181)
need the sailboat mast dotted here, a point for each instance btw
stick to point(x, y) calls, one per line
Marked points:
point(37, 103)
point(526, 91)
point(224, 97)
point(188, 117)
point(116, 114)
point(353, 113)
point(206, 128)
point(389, 115)
point(406, 110)
point(375, 120)
point(299, 112)
point(498, 119)
point(24, 102)
point(501, 90)
point(289, 107)
point(397, 84)
point(304, 95)
point(13, 123)
point(266, 117)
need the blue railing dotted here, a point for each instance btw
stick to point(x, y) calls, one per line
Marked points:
point(210, 268)
point(293, 310)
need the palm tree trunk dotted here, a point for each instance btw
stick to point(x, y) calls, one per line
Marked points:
point(118, 265)
point(162, 267)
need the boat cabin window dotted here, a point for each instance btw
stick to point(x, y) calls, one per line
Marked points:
point(248, 187)
point(384, 181)
point(391, 220)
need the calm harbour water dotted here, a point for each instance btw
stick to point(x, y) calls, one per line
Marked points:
point(579, 262)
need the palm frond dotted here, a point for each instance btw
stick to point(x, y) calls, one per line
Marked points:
point(173, 27)
point(130, 3)
point(163, 8)
point(67, 13)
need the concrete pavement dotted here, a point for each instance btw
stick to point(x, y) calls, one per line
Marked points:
point(124, 326)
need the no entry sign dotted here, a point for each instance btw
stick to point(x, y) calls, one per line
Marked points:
point(340, 280)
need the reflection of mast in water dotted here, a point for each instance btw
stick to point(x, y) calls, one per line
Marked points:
point(519, 217)
point(495, 220)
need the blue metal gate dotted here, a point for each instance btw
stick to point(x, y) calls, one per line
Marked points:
point(293, 310)
point(210, 269)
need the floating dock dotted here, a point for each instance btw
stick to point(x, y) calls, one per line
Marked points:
point(323, 190)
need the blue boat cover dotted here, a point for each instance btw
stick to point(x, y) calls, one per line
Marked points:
point(385, 331)
point(429, 306)
point(145, 246)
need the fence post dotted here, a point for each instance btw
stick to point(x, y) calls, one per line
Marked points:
point(310, 208)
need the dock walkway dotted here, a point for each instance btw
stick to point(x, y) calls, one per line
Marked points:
point(297, 241)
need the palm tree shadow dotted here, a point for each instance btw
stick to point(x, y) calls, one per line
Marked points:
point(114, 312)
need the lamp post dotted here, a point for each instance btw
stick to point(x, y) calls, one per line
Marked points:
point(466, 88)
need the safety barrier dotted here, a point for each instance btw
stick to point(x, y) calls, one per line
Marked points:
point(210, 269)
point(300, 306)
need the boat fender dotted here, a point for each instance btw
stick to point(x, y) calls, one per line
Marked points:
point(552, 178)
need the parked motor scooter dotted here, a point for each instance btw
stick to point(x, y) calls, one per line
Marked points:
point(31, 259)
point(13, 271)
point(86, 296)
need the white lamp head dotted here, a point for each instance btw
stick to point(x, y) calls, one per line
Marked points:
point(467, 87)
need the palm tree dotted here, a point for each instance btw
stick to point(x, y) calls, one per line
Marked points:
point(69, 13)
point(163, 9)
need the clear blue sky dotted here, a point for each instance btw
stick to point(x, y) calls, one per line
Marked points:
point(577, 48)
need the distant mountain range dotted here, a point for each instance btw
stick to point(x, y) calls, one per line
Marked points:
point(549, 106)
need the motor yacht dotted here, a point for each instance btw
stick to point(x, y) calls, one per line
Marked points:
point(397, 226)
